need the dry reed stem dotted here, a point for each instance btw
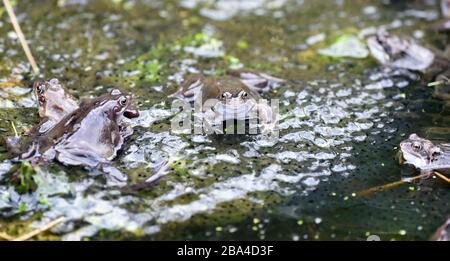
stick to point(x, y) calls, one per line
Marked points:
point(21, 36)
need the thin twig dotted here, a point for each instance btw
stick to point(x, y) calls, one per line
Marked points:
point(14, 129)
point(40, 230)
point(22, 39)
point(440, 175)
point(6, 236)
point(389, 185)
point(400, 182)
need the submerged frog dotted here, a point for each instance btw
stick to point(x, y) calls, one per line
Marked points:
point(233, 96)
point(404, 53)
point(425, 155)
point(89, 136)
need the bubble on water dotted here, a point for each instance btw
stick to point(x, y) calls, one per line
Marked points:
point(310, 182)
point(369, 10)
point(424, 14)
point(49, 184)
point(231, 189)
point(385, 83)
point(5, 166)
point(228, 158)
point(373, 238)
point(153, 147)
point(19, 91)
point(313, 39)
point(27, 102)
point(288, 94)
point(6, 104)
point(4, 198)
point(402, 84)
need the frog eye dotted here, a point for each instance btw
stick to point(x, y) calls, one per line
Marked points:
point(416, 145)
point(243, 94)
point(123, 101)
point(226, 95)
point(41, 89)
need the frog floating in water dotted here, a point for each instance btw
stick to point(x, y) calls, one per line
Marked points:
point(405, 53)
point(89, 134)
point(235, 96)
point(426, 156)
point(55, 102)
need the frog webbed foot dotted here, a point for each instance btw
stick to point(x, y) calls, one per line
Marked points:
point(259, 82)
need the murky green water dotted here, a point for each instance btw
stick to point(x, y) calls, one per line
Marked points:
point(342, 119)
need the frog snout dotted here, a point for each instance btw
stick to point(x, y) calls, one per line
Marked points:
point(235, 102)
point(130, 114)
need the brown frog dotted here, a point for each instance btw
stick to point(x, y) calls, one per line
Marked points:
point(233, 96)
point(89, 136)
point(404, 53)
point(424, 155)
point(55, 102)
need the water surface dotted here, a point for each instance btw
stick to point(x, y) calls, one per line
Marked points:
point(342, 120)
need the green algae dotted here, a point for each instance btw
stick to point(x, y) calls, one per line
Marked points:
point(26, 181)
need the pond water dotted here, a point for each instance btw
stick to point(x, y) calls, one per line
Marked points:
point(342, 119)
